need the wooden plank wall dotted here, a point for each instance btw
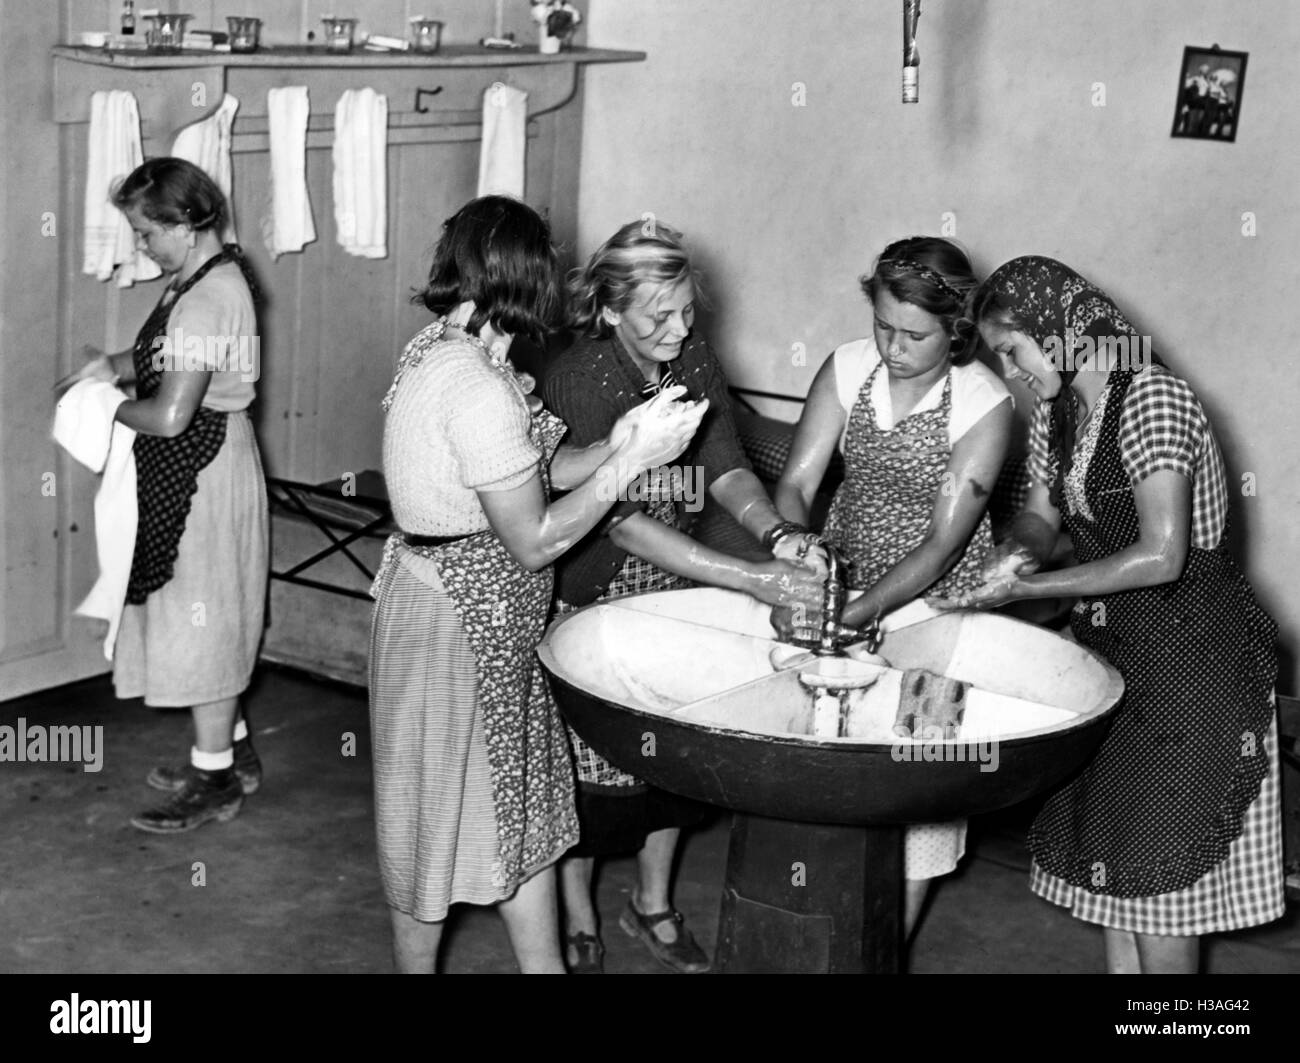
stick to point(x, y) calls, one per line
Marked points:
point(47, 557)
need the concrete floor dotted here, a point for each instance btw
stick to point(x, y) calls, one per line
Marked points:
point(292, 886)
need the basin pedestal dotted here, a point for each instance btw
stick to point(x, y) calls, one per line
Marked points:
point(806, 898)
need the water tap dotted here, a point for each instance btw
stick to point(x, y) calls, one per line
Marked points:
point(835, 635)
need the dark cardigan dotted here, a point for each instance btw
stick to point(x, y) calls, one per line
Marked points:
point(590, 387)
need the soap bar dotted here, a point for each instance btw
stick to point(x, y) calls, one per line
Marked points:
point(388, 44)
point(930, 707)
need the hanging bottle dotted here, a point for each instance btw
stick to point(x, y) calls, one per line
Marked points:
point(911, 53)
point(128, 18)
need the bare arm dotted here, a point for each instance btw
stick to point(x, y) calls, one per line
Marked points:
point(123, 365)
point(773, 582)
point(742, 494)
point(959, 505)
point(169, 411)
point(1164, 509)
point(815, 440)
point(571, 465)
point(536, 533)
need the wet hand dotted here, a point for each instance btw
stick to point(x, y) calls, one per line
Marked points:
point(618, 435)
point(657, 431)
point(97, 367)
point(1008, 558)
point(779, 582)
point(782, 621)
point(796, 623)
point(805, 550)
point(988, 595)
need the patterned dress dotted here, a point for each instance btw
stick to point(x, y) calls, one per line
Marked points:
point(593, 384)
point(1173, 828)
point(879, 515)
point(473, 781)
point(1191, 757)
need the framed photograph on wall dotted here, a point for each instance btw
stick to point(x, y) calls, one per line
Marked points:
point(1209, 93)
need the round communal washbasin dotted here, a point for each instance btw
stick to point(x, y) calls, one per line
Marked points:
point(690, 691)
point(679, 688)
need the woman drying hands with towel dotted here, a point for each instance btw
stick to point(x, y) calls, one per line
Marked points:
point(193, 620)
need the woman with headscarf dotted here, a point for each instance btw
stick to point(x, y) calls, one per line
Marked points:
point(1172, 831)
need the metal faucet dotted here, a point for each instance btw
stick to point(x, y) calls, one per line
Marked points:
point(835, 635)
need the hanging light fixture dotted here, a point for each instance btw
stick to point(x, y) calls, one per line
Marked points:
point(911, 54)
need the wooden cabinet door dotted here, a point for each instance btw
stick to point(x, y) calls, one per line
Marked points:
point(47, 547)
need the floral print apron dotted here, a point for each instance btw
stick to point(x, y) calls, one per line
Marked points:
point(883, 508)
point(504, 608)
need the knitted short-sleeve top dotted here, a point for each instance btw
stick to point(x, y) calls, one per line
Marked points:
point(458, 423)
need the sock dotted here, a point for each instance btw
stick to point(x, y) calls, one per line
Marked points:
point(241, 729)
point(212, 761)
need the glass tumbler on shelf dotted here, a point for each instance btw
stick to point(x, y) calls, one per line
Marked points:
point(244, 32)
point(166, 32)
point(426, 35)
point(338, 33)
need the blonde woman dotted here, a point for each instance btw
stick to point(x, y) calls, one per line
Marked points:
point(635, 303)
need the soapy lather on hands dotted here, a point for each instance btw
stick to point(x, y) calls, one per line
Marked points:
point(1001, 572)
point(661, 428)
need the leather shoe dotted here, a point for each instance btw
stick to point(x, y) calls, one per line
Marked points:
point(584, 954)
point(683, 955)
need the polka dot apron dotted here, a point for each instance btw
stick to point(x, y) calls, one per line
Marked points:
point(1163, 800)
point(167, 467)
point(883, 508)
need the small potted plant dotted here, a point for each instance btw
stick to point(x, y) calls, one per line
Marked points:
point(557, 21)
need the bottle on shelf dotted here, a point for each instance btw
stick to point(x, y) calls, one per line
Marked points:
point(128, 18)
point(911, 54)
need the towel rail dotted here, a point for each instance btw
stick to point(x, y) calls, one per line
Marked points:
point(420, 108)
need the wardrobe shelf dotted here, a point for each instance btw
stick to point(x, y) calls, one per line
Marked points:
point(440, 90)
point(464, 55)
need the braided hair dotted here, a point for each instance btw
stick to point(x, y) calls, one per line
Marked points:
point(935, 275)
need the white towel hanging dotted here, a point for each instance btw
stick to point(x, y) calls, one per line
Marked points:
point(501, 156)
point(361, 173)
point(113, 152)
point(287, 225)
point(207, 145)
